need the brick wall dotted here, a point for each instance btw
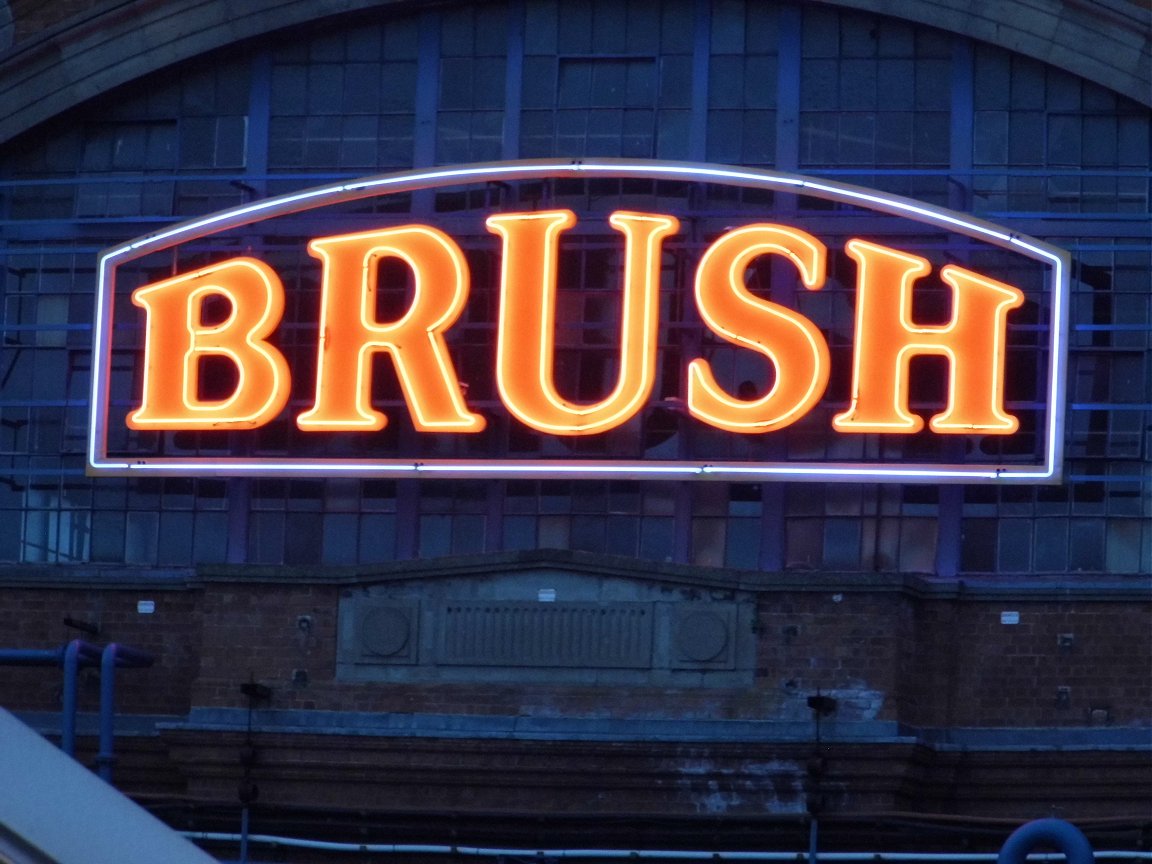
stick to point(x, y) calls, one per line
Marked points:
point(891, 655)
point(35, 620)
point(942, 704)
point(1066, 663)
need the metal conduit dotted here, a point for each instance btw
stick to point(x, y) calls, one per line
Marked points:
point(30, 656)
point(76, 651)
point(72, 657)
point(665, 854)
point(111, 657)
point(1054, 833)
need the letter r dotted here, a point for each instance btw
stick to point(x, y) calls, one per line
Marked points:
point(350, 333)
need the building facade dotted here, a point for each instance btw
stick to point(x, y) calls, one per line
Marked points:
point(716, 662)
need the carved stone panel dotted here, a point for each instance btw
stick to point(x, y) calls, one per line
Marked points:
point(546, 625)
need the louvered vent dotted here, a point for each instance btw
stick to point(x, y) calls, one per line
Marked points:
point(583, 635)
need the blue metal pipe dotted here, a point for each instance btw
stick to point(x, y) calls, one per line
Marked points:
point(1063, 836)
point(112, 656)
point(69, 697)
point(104, 756)
point(244, 836)
point(75, 654)
point(72, 657)
point(31, 656)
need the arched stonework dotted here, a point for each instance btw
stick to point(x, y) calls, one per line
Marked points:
point(43, 75)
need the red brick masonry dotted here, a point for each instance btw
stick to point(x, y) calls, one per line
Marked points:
point(943, 705)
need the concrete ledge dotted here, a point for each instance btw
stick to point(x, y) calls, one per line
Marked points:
point(1050, 587)
point(88, 725)
point(486, 727)
point(482, 727)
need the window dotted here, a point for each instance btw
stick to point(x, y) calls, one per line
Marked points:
point(606, 79)
point(877, 105)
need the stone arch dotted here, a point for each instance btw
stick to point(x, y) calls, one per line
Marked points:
point(7, 26)
point(1105, 41)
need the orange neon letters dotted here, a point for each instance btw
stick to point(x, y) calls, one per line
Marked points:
point(415, 342)
point(177, 341)
point(526, 339)
point(887, 338)
point(792, 342)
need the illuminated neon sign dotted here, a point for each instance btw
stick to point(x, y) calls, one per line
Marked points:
point(332, 392)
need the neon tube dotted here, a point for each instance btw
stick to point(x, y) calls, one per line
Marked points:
point(1057, 285)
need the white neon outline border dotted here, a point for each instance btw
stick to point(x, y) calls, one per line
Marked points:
point(1058, 259)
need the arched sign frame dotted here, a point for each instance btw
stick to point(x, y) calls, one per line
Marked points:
point(1056, 262)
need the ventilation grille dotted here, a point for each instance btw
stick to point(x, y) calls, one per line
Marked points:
point(584, 635)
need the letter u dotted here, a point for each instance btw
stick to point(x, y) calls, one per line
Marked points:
point(526, 339)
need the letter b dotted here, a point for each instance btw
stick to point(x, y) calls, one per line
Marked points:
point(177, 341)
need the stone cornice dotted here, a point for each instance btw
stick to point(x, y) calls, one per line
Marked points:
point(1031, 588)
